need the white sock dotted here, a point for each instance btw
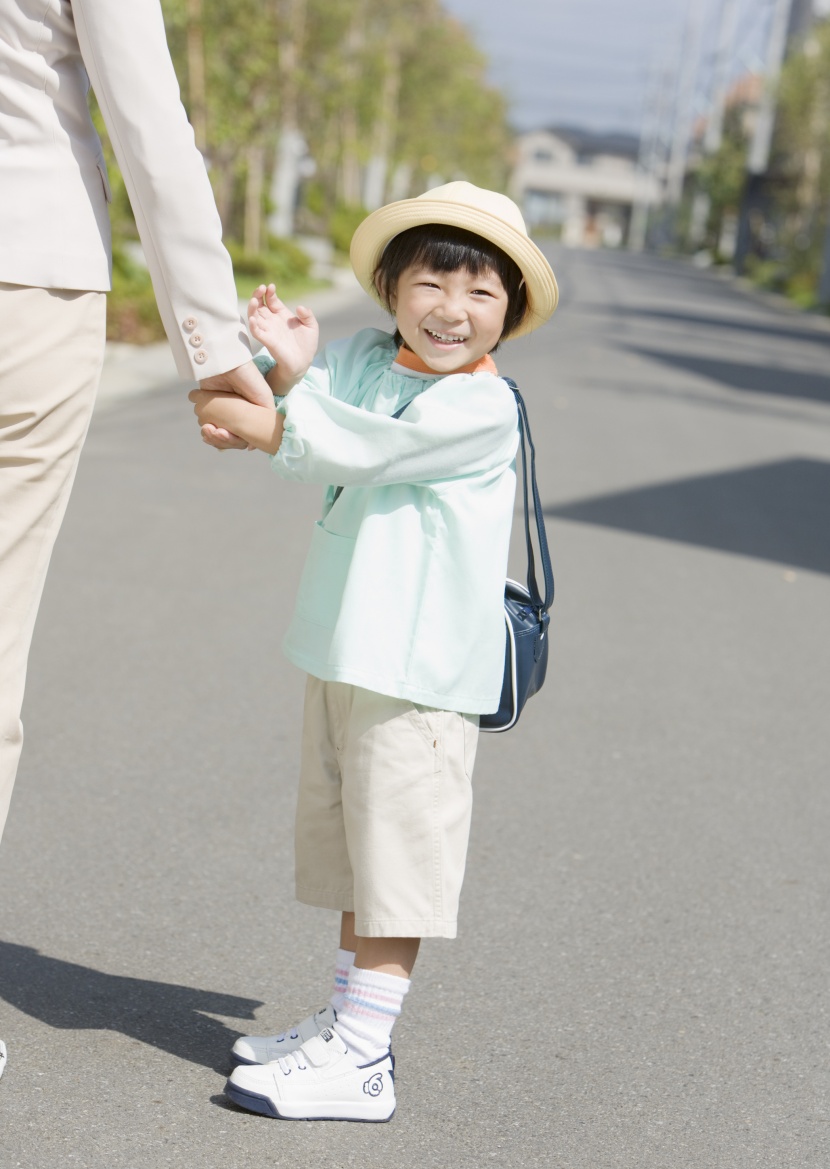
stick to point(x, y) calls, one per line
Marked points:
point(371, 1005)
point(342, 966)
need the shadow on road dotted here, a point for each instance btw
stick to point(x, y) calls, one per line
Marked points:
point(161, 1014)
point(764, 327)
point(777, 511)
point(738, 375)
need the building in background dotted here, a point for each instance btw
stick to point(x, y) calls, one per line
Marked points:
point(581, 185)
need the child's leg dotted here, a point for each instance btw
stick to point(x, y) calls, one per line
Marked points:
point(406, 798)
point(378, 983)
point(389, 955)
point(396, 779)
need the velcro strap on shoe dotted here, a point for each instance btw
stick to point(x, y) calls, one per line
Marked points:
point(324, 1048)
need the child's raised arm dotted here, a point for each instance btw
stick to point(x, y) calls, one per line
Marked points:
point(290, 338)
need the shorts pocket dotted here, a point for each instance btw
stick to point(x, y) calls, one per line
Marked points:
point(324, 577)
point(430, 722)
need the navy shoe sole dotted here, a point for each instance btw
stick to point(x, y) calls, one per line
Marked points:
point(252, 1101)
point(264, 1106)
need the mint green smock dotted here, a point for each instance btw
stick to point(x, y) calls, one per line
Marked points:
point(403, 588)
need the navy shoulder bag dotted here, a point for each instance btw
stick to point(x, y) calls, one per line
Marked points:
point(526, 614)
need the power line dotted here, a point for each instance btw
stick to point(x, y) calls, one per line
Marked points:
point(720, 84)
point(684, 108)
point(776, 47)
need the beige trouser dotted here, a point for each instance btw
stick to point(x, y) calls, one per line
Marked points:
point(383, 813)
point(51, 350)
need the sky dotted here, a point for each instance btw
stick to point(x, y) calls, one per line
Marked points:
point(596, 63)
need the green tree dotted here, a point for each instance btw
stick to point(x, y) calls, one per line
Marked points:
point(388, 98)
point(722, 175)
point(397, 98)
point(801, 161)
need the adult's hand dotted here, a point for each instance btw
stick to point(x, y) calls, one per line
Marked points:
point(245, 380)
point(248, 382)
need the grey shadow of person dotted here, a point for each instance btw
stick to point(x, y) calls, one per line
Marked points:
point(161, 1014)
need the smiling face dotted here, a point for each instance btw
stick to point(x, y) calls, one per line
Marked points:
point(449, 319)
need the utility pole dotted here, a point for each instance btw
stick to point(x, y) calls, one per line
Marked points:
point(790, 18)
point(714, 122)
point(720, 86)
point(821, 121)
point(759, 150)
point(684, 109)
point(648, 160)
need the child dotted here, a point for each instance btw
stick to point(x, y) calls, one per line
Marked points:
point(399, 620)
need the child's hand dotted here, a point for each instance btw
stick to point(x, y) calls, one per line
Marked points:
point(290, 338)
point(259, 426)
point(213, 407)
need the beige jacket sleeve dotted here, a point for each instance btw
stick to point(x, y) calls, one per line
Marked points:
point(124, 49)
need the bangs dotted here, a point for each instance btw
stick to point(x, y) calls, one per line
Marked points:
point(446, 249)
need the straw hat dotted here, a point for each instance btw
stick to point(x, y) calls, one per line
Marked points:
point(486, 213)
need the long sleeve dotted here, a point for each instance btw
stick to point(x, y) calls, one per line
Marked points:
point(125, 52)
point(451, 429)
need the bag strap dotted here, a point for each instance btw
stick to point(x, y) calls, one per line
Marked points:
point(540, 603)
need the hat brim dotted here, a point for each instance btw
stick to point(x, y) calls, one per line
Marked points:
point(375, 232)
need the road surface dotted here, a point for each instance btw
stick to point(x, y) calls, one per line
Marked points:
point(641, 976)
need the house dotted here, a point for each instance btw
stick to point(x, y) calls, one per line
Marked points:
point(581, 185)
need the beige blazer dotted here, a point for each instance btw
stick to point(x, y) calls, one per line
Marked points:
point(54, 228)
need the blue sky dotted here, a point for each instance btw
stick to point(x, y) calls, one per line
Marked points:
point(593, 63)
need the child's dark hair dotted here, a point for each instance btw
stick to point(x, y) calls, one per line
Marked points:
point(446, 249)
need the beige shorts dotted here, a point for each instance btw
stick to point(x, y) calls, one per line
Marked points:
point(383, 814)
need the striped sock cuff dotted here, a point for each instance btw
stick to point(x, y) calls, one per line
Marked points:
point(374, 995)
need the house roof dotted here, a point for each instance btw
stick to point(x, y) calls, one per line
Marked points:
point(592, 142)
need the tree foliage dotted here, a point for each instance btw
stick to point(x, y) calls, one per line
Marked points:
point(388, 97)
point(722, 175)
point(801, 163)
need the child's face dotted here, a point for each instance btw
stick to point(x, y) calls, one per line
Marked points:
point(449, 319)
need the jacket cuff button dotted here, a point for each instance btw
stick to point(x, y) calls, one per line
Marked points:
point(200, 358)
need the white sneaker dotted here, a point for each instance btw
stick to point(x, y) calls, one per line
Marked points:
point(267, 1048)
point(319, 1081)
point(3, 1057)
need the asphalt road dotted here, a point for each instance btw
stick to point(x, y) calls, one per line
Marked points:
point(641, 977)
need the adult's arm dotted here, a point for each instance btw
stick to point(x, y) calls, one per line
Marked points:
point(124, 47)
